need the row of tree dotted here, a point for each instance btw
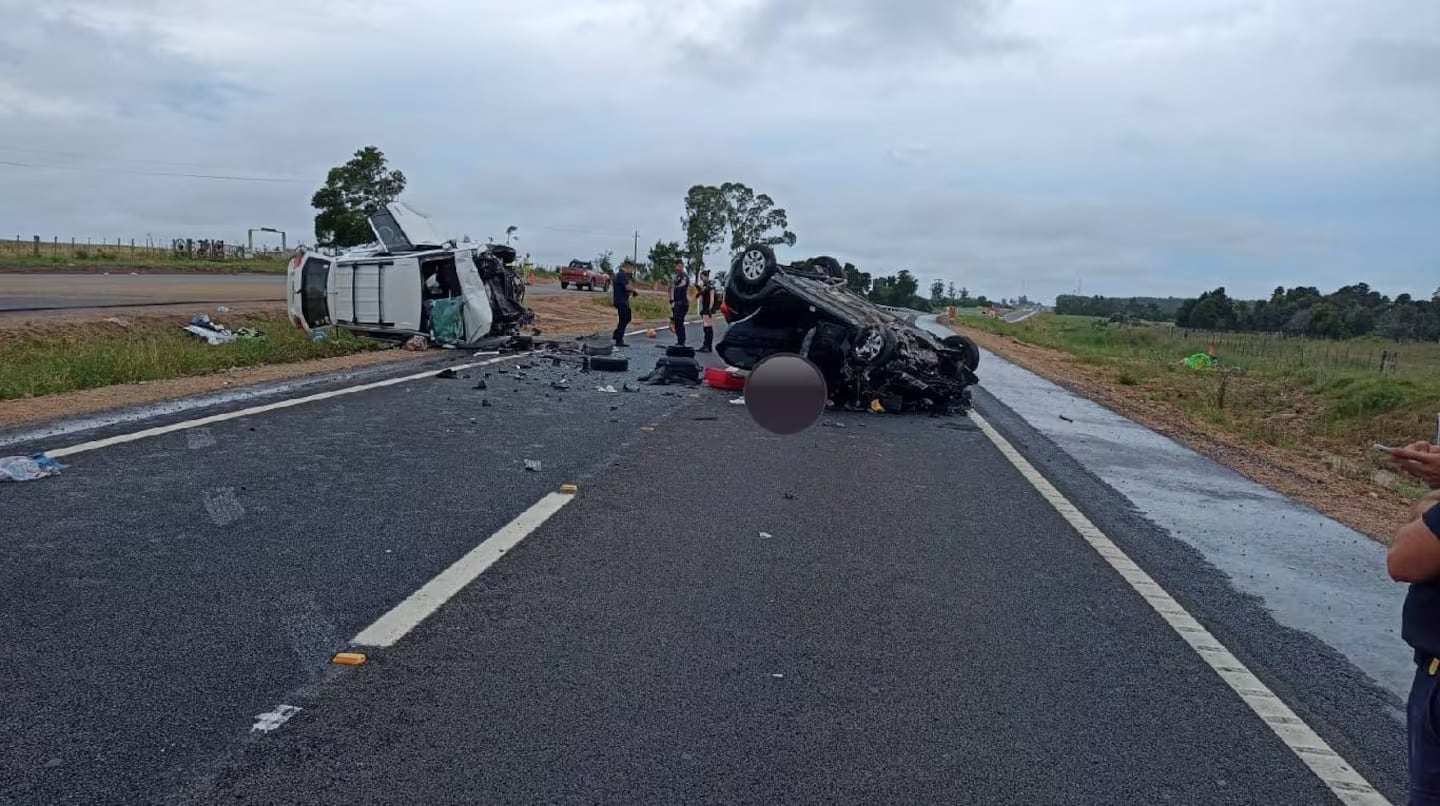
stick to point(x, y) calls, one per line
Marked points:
point(1154, 309)
point(1350, 312)
point(715, 217)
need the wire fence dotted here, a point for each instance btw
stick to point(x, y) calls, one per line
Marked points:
point(1365, 355)
point(90, 249)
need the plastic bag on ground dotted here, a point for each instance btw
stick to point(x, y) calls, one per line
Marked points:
point(28, 468)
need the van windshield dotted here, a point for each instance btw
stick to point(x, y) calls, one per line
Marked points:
point(390, 233)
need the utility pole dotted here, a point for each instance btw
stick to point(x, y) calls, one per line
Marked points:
point(635, 253)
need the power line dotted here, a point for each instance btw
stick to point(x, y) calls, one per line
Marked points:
point(217, 177)
point(76, 155)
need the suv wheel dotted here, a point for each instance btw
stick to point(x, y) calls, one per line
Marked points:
point(873, 345)
point(754, 267)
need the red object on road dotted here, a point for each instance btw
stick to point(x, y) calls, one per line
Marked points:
point(724, 378)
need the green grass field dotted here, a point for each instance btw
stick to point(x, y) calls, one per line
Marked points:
point(102, 354)
point(643, 306)
point(1289, 392)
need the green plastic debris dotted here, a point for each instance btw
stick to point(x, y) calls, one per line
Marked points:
point(1199, 361)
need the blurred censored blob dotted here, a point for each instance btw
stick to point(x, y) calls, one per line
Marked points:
point(785, 394)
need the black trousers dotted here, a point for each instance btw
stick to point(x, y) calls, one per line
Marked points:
point(1424, 730)
point(623, 312)
point(677, 317)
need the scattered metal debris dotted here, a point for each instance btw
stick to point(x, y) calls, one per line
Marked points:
point(532, 465)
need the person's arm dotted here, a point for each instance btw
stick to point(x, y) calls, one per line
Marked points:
point(1415, 555)
point(1421, 460)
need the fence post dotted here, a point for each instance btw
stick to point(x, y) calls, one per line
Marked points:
point(37, 246)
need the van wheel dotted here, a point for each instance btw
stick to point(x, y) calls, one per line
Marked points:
point(564, 285)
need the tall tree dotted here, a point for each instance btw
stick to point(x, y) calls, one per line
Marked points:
point(352, 192)
point(662, 258)
point(754, 218)
point(705, 219)
point(603, 261)
point(510, 232)
point(937, 291)
point(950, 292)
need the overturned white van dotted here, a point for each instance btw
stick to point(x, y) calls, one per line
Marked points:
point(410, 283)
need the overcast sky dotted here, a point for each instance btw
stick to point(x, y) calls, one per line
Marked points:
point(1139, 146)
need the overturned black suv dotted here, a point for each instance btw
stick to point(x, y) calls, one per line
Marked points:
point(867, 354)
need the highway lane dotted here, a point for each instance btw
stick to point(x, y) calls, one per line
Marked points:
point(919, 626)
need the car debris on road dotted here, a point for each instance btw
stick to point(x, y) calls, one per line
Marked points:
point(29, 468)
point(867, 354)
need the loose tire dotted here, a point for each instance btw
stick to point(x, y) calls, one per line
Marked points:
point(829, 265)
point(610, 363)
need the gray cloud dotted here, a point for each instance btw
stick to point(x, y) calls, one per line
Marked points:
point(848, 34)
point(1151, 148)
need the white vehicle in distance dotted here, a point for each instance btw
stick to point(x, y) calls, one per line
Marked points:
point(411, 282)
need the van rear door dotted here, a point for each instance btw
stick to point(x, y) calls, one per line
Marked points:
point(309, 284)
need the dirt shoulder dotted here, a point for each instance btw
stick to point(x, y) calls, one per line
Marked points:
point(1367, 508)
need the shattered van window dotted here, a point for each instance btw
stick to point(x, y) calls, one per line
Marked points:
point(391, 235)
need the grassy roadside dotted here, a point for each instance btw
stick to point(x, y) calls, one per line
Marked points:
point(1298, 415)
point(642, 307)
point(46, 361)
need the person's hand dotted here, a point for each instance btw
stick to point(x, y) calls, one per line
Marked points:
point(1421, 460)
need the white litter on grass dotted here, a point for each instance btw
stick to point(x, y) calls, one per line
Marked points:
point(739, 401)
point(532, 464)
point(777, 675)
point(766, 535)
point(223, 309)
point(266, 722)
point(607, 389)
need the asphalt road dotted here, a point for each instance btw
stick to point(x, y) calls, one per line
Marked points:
point(884, 612)
point(33, 291)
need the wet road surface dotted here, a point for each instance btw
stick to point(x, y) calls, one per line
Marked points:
point(880, 609)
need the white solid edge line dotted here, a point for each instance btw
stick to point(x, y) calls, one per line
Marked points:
point(404, 617)
point(1347, 784)
point(279, 404)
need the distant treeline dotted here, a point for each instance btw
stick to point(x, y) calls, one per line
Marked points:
point(1155, 309)
point(1350, 312)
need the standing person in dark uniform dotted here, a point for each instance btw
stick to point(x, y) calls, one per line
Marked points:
point(1415, 558)
point(708, 297)
point(623, 293)
point(679, 301)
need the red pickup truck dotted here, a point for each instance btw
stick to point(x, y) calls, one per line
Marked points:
point(582, 275)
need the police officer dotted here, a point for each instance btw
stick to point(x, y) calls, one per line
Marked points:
point(1415, 558)
point(623, 292)
point(679, 301)
point(708, 297)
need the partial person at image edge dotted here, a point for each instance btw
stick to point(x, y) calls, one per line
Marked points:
point(1415, 558)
